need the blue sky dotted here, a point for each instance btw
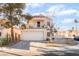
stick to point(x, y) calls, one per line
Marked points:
point(62, 14)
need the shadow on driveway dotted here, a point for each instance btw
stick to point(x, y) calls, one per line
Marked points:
point(61, 53)
point(23, 44)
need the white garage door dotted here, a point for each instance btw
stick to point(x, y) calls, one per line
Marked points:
point(32, 36)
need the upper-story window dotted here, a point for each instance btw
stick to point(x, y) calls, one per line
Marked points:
point(38, 24)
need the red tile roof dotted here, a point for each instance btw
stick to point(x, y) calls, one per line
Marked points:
point(40, 16)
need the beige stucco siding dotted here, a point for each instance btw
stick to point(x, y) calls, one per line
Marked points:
point(33, 23)
point(68, 33)
point(4, 32)
point(43, 21)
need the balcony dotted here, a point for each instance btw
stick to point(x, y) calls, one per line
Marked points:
point(33, 27)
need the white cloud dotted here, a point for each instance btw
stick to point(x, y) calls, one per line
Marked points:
point(53, 10)
point(55, 7)
point(77, 13)
point(67, 12)
point(34, 5)
point(66, 21)
point(59, 10)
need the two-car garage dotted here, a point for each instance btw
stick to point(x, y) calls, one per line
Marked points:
point(34, 34)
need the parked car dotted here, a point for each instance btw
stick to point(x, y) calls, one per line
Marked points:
point(76, 38)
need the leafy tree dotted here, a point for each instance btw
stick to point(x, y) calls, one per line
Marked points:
point(12, 12)
point(28, 17)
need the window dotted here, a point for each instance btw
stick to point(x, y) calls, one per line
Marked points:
point(38, 24)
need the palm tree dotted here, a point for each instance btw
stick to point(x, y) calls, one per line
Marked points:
point(75, 22)
point(12, 12)
point(72, 28)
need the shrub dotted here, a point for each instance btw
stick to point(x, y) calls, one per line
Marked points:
point(48, 39)
point(3, 41)
point(0, 42)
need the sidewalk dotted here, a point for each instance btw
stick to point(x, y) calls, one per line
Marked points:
point(15, 52)
point(54, 47)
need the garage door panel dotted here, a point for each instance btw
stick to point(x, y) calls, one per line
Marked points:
point(32, 36)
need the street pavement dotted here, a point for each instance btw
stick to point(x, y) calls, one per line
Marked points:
point(25, 48)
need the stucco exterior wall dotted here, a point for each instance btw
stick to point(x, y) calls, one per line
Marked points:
point(33, 22)
point(68, 33)
point(4, 32)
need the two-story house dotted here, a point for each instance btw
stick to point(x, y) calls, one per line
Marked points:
point(38, 28)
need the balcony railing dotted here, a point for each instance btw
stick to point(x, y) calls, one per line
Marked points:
point(32, 27)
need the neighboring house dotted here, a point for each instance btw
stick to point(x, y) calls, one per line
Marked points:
point(67, 33)
point(38, 28)
point(17, 32)
point(4, 32)
point(7, 31)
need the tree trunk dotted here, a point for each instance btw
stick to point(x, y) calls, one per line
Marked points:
point(12, 34)
point(28, 23)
